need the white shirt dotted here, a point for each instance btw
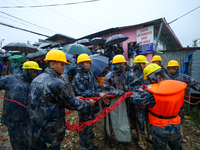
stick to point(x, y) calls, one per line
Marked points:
point(102, 51)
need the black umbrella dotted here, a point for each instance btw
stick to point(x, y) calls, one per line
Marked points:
point(44, 45)
point(37, 43)
point(97, 41)
point(22, 47)
point(118, 38)
point(39, 53)
point(85, 42)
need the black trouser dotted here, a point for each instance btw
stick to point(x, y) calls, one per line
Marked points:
point(17, 138)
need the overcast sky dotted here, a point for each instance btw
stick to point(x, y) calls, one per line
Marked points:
point(78, 20)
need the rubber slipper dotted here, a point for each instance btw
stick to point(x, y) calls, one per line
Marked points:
point(183, 138)
point(141, 143)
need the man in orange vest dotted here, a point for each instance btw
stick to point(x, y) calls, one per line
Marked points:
point(164, 99)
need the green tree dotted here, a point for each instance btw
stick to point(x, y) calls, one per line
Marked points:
point(195, 42)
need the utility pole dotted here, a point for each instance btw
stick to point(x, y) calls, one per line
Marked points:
point(1, 43)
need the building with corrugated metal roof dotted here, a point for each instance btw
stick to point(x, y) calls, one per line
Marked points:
point(179, 54)
point(146, 34)
point(60, 38)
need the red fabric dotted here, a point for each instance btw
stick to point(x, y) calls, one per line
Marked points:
point(98, 98)
point(79, 127)
point(145, 87)
point(193, 97)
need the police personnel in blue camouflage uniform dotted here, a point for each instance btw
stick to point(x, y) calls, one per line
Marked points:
point(135, 80)
point(163, 132)
point(157, 60)
point(115, 81)
point(128, 70)
point(49, 96)
point(17, 88)
point(85, 84)
point(115, 84)
point(173, 67)
point(130, 106)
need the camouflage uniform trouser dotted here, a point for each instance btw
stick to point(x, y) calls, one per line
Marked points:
point(182, 115)
point(43, 147)
point(17, 138)
point(85, 138)
point(162, 145)
point(140, 116)
point(161, 136)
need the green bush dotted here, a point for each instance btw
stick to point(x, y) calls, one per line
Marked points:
point(194, 114)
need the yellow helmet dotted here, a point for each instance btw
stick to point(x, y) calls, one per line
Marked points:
point(118, 59)
point(56, 55)
point(82, 58)
point(31, 65)
point(150, 69)
point(173, 63)
point(156, 58)
point(140, 59)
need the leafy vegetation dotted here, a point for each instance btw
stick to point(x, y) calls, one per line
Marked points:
point(194, 113)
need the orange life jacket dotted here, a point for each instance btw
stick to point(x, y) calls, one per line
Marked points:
point(169, 97)
point(100, 80)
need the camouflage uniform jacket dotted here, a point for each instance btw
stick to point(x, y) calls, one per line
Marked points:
point(135, 81)
point(164, 69)
point(136, 78)
point(16, 88)
point(49, 96)
point(187, 79)
point(86, 85)
point(127, 71)
point(190, 82)
point(141, 99)
point(114, 84)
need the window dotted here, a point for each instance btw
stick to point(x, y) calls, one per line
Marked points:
point(163, 44)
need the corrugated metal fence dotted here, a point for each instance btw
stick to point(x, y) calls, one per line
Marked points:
point(178, 55)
